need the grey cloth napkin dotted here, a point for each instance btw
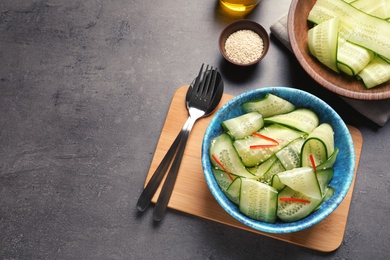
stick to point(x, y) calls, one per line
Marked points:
point(377, 111)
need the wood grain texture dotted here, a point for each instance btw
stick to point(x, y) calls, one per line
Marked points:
point(341, 84)
point(191, 194)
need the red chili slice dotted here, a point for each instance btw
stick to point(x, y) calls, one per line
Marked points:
point(259, 146)
point(313, 164)
point(223, 168)
point(265, 137)
point(295, 200)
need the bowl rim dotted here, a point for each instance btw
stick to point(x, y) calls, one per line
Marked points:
point(243, 24)
point(281, 227)
point(365, 94)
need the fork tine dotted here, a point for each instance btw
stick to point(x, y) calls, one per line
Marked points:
point(208, 74)
point(197, 80)
point(202, 85)
point(213, 80)
point(203, 89)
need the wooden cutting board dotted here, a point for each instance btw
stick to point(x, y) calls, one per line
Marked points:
point(191, 194)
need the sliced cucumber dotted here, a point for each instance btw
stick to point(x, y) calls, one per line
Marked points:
point(289, 211)
point(253, 157)
point(319, 144)
point(386, 59)
point(258, 200)
point(301, 119)
point(352, 58)
point(290, 155)
point(320, 13)
point(276, 168)
point(378, 8)
point(263, 168)
point(276, 183)
point(316, 148)
point(253, 177)
point(322, 41)
point(375, 73)
point(325, 132)
point(330, 161)
point(233, 191)
point(302, 179)
point(324, 177)
point(244, 125)
point(222, 148)
point(369, 32)
point(222, 179)
point(329, 192)
point(268, 106)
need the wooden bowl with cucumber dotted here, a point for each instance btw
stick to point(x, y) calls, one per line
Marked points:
point(336, 62)
point(278, 159)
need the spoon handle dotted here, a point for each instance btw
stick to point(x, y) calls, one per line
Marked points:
point(150, 189)
point(166, 191)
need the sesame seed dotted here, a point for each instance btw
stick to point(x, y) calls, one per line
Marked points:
point(244, 46)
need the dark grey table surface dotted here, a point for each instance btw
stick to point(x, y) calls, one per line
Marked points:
point(84, 91)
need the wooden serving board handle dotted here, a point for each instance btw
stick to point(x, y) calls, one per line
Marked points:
point(191, 194)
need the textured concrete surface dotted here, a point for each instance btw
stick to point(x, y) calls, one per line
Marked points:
point(84, 91)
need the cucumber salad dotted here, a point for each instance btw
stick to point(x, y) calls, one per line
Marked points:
point(274, 161)
point(353, 38)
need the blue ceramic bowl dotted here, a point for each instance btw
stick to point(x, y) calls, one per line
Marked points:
point(343, 168)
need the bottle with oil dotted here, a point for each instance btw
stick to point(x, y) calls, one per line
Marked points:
point(239, 6)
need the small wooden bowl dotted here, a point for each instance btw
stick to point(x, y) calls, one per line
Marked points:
point(341, 84)
point(243, 25)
